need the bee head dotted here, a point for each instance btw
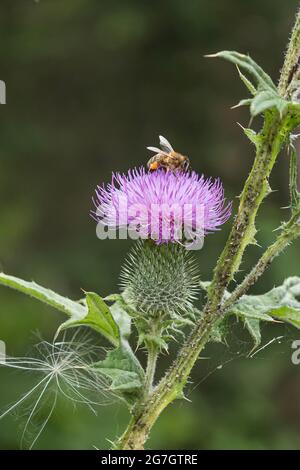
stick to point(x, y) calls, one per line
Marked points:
point(186, 164)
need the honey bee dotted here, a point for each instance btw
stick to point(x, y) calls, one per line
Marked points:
point(167, 158)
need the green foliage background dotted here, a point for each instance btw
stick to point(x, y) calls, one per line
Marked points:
point(89, 84)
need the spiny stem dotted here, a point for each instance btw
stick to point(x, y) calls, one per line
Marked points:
point(291, 66)
point(169, 388)
point(275, 131)
point(254, 192)
point(290, 233)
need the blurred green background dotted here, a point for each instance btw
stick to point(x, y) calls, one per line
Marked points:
point(90, 84)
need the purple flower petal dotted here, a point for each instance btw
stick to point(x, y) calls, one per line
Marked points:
point(153, 200)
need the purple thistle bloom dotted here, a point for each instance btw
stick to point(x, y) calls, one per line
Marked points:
point(160, 204)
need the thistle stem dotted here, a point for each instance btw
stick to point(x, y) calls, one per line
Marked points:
point(274, 133)
point(169, 388)
point(290, 233)
point(151, 367)
point(290, 69)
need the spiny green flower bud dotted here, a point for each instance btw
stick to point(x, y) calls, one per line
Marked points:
point(159, 280)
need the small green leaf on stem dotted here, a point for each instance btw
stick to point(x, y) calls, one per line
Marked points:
point(124, 371)
point(251, 134)
point(97, 316)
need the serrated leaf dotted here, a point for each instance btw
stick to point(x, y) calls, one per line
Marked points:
point(97, 316)
point(94, 313)
point(264, 91)
point(288, 315)
point(251, 134)
point(253, 326)
point(281, 303)
point(246, 82)
point(265, 100)
point(249, 307)
point(249, 65)
point(160, 342)
point(246, 102)
point(217, 335)
point(124, 371)
point(262, 101)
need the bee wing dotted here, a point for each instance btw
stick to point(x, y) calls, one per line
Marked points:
point(154, 149)
point(165, 144)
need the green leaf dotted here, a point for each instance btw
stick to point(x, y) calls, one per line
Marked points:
point(281, 303)
point(251, 134)
point(218, 334)
point(247, 64)
point(159, 341)
point(98, 316)
point(253, 326)
point(246, 82)
point(122, 319)
point(122, 314)
point(288, 315)
point(125, 372)
point(93, 313)
point(246, 102)
point(65, 305)
point(251, 307)
point(265, 100)
point(264, 91)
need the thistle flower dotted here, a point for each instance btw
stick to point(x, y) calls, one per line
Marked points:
point(170, 210)
point(163, 206)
